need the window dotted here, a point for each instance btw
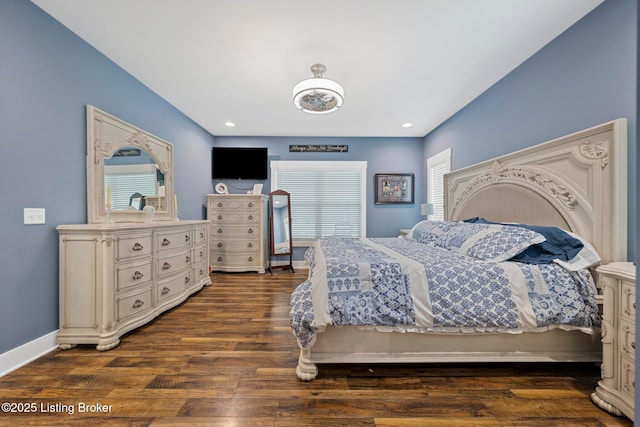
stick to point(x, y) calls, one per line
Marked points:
point(437, 166)
point(124, 180)
point(328, 198)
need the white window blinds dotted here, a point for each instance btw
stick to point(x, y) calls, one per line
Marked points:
point(327, 198)
point(437, 167)
point(124, 180)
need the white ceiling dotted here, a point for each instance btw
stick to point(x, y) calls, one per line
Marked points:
point(399, 61)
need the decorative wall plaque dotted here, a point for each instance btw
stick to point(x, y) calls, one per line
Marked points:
point(318, 148)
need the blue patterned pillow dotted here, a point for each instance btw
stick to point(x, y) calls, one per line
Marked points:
point(489, 242)
point(558, 245)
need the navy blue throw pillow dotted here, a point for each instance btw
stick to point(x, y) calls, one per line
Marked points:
point(558, 244)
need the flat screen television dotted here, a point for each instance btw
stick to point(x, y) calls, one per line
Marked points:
point(239, 163)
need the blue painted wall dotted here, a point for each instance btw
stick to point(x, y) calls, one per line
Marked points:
point(47, 76)
point(383, 155)
point(586, 76)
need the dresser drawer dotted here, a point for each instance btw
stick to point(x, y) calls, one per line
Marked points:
point(129, 275)
point(201, 271)
point(627, 338)
point(175, 239)
point(627, 377)
point(172, 263)
point(628, 301)
point(235, 203)
point(237, 245)
point(174, 286)
point(199, 235)
point(231, 260)
point(235, 231)
point(199, 254)
point(235, 218)
point(134, 304)
point(133, 246)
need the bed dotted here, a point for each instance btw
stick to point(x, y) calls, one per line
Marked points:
point(352, 309)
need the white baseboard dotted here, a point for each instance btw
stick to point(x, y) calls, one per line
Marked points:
point(20, 356)
point(300, 265)
point(297, 265)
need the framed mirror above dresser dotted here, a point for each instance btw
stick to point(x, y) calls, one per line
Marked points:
point(129, 263)
point(123, 160)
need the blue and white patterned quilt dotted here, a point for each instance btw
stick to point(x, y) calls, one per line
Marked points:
point(400, 284)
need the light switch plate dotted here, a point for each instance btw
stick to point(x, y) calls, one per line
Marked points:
point(34, 215)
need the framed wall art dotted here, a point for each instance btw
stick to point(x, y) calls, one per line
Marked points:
point(394, 188)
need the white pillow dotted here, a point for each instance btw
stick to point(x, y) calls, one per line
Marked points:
point(428, 231)
point(587, 257)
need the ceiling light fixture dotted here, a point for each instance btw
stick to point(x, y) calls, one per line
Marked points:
point(318, 95)
point(229, 124)
point(407, 125)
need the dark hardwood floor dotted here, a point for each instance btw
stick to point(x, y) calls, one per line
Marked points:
point(226, 357)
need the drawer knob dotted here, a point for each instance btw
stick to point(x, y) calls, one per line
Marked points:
point(250, 204)
point(166, 242)
point(201, 272)
point(201, 235)
point(219, 244)
point(186, 280)
point(219, 204)
point(219, 258)
point(633, 345)
point(138, 247)
point(166, 266)
point(201, 254)
point(250, 231)
point(137, 275)
point(165, 290)
point(187, 238)
point(219, 216)
point(138, 304)
point(250, 216)
point(219, 230)
point(250, 245)
point(187, 259)
point(250, 258)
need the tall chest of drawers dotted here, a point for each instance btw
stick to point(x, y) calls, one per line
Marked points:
point(117, 277)
point(616, 389)
point(239, 232)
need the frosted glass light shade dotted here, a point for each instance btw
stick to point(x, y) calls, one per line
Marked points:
point(318, 95)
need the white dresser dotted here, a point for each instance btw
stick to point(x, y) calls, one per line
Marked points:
point(239, 236)
point(117, 277)
point(615, 391)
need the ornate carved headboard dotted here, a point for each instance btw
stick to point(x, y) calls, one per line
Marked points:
point(577, 182)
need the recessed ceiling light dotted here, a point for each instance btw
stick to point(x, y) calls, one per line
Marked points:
point(230, 124)
point(407, 125)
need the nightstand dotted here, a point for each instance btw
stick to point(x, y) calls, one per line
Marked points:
point(615, 391)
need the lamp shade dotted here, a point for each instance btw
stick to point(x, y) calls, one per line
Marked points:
point(318, 95)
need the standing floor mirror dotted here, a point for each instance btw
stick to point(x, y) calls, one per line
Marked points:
point(280, 222)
